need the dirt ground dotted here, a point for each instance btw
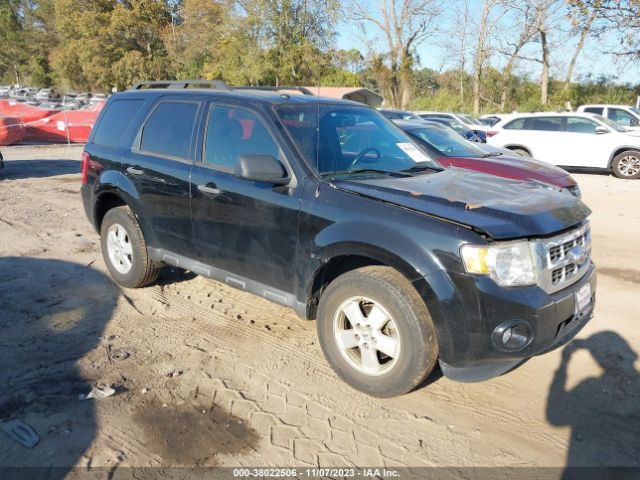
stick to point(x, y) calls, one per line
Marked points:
point(206, 375)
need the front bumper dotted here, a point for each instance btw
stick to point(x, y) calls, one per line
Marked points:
point(555, 320)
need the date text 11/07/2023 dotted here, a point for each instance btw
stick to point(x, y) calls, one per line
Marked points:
point(315, 473)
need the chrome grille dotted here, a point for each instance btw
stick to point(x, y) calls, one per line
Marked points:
point(566, 258)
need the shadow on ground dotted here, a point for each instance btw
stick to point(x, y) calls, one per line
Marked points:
point(52, 314)
point(602, 411)
point(20, 169)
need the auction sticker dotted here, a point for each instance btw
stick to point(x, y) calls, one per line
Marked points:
point(413, 151)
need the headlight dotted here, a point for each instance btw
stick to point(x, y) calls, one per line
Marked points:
point(509, 264)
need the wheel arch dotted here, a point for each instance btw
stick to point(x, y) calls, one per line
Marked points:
point(514, 146)
point(618, 151)
point(340, 259)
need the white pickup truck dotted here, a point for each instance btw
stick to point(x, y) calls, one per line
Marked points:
point(624, 115)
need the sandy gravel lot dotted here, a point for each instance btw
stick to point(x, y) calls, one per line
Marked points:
point(209, 376)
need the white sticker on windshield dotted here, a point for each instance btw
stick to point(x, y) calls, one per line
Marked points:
point(413, 151)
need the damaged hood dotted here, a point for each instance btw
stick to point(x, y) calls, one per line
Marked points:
point(500, 207)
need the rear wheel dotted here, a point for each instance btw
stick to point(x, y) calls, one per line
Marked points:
point(521, 151)
point(376, 332)
point(124, 249)
point(627, 165)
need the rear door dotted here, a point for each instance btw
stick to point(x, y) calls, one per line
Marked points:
point(159, 166)
point(247, 229)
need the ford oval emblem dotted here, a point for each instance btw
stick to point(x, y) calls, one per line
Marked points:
point(578, 254)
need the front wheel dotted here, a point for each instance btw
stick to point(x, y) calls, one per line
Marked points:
point(376, 332)
point(627, 165)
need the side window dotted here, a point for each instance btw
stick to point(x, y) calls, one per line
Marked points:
point(233, 132)
point(546, 124)
point(169, 129)
point(115, 120)
point(596, 110)
point(620, 117)
point(517, 124)
point(581, 125)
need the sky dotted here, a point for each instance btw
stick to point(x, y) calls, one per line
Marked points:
point(435, 54)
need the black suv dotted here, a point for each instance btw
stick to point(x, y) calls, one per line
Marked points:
point(328, 208)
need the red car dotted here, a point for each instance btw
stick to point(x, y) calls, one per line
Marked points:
point(450, 150)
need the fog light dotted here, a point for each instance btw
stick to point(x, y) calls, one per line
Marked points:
point(512, 335)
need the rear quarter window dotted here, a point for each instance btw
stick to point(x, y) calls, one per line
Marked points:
point(115, 121)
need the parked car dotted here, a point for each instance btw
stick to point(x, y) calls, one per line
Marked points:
point(452, 151)
point(478, 136)
point(393, 114)
point(296, 199)
point(469, 121)
point(571, 140)
point(624, 115)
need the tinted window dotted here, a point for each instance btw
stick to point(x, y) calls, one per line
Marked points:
point(620, 117)
point(516, 124)
point(597, 110)
point(115, 120)
point(233, 132)
point(547, 124)
point(581, 125)
point(169, 128)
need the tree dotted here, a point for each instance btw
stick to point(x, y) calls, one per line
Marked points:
point(12, 55)
point(404, 24)
point(482, 49)
point(620, 15)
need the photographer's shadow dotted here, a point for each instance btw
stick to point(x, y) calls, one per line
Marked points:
point(52, 315)
point(602, 411)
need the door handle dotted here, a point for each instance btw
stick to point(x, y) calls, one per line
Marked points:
point(135, 171)
point(210, 188)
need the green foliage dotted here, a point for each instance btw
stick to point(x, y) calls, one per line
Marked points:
point(100, 44)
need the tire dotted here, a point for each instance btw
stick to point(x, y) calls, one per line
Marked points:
point(124, 249)
point(409, 328)
point(627, 165)
point(521, 151)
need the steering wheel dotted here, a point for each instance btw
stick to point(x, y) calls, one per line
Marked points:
point(361, 155)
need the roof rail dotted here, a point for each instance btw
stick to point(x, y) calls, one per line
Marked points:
point(176, 84)
point(304, 91)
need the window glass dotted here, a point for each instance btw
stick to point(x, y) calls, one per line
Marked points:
point(581, 125)
point(620, 117)
point(547, 124)
point(169, 128)
point(610, 124)
point(115, 121)
point(233, 132)
point(447, 142)
point(596, 110)
point(517, 124)
point(339, 139)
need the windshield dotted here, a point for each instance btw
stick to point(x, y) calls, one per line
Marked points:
point(470, 120)
point(610, 123)
point(446, 142)
point(344, 139)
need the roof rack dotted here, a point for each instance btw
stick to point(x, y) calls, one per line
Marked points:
point(304, 91)
point(176, 84)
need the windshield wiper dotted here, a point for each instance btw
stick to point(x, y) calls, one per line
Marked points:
point(365, 170)
point(422, 166)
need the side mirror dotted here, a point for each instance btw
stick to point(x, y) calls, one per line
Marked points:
point(633, 122)
point(600, 129)
point(262, 168)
